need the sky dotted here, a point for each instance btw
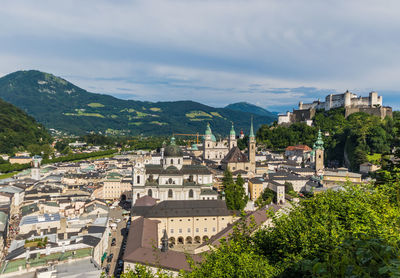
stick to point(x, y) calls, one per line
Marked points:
point(269, 53)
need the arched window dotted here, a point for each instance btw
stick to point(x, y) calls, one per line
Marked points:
point(191, 193)
point(138, 179)
point(179, 161)
point(138, 195)
point(170, 194)
point(191, 178)
point(169, 181)
point(150, 193)
point(172, 161)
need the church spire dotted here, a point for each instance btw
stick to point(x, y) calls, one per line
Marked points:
point(319, 144)
point(251, 128)
point(232, 133)
point(164, 242)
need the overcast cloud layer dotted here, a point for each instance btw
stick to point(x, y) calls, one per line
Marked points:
point(270, 53)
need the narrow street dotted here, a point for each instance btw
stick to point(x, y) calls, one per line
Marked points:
point(115, 249)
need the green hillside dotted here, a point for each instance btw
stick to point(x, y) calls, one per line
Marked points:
point(18, 130)
point(58, 104)
point(251, 108)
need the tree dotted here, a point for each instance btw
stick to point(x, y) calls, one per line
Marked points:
point(288, 187)
point(267, 197)
point(235, 194)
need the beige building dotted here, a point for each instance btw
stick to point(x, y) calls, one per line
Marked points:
point(186, 222)
point(115, 186)
point(339, 176)
point(366, 168)
point(256, 188)
point(20, 160)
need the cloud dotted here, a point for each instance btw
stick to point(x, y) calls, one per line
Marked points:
point(216, 51)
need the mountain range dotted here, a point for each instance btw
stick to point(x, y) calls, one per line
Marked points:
point(59, 104)
point(250, 108)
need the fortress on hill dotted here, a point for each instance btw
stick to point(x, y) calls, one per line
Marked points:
point(373, 105)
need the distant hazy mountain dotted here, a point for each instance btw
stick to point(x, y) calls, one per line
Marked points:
point(17, 129)
point(251, 108)
point(59, 104)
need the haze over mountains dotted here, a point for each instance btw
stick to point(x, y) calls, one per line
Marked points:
point(59, 104)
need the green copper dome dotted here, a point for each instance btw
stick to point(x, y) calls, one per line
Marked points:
point(232, 133)
point(319, 144)
point(208, 130)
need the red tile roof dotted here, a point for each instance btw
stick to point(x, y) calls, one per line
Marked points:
point(299, 148)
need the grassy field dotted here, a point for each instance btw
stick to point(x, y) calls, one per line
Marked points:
point(8, 175)
point(95, 105)
point(195, 114)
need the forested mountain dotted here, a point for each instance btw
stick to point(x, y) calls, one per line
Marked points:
point(251, 108)
point(17, 129)
point(58, 104)
point(360, 136)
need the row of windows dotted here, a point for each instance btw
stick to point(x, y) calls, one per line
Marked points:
point(188, 230)
point(197, 219)
point(170, 193)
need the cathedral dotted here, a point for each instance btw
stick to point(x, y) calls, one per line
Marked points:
point(171, 179)
point(216, 150)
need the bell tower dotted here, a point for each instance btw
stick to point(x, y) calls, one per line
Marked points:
point(252, 148)
point(319, 154)
point(232, 138)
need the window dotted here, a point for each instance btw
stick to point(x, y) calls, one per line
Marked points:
point(205, 230)
point(188, 230)
point(213, 229)
point(179, 161)
point(150, 193)
point(172, 161)
point(138, 179)
point(191, 193)
point(170, 180)
point(172, 231)
point(197, 230)
point(180, 231)
point(170, 194)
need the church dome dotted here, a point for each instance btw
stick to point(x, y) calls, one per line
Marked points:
point(172, 151)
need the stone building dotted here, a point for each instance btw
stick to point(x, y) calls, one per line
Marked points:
point(235, 160)
point(216, 150)
point(172, 179)
point(373, 105)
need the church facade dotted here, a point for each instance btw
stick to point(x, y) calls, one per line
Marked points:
point(216, 150)
point(171, 179)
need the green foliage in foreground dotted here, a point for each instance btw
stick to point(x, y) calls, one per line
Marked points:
point(350, 233)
